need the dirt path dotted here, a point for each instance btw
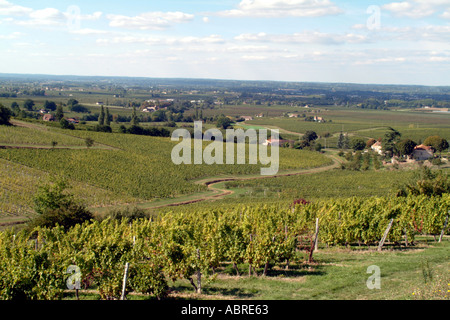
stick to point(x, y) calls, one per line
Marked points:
point(220, 193)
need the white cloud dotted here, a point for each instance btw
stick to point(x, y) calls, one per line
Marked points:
point(282, 8)
point(151, 40)
point(11, 36)
point(88, 31)
point(95, 16)
point(43, 17)
point(9, 9)
point(149, 20)
point(305, 37)
point(254, 58)
point(417, 8)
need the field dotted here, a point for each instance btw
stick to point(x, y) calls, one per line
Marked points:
point(237, 228)
point(126, 168)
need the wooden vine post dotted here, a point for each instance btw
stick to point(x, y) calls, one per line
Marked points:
point(316, 237)
point(124, 284)
point(199, 275)
point(443, 229)
point(314, 246)
point(380, 246)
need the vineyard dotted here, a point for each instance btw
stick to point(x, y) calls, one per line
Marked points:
point(135, 167)
point(195, 245)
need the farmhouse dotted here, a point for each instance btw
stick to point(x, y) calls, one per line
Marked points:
point(48, 117)
point(275, 142)
point(422, 152)
point(247, 118)
point(377, 147)
point(72, 120)
point(319, 119)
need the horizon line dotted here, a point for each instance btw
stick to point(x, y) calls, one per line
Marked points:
point(221, 79)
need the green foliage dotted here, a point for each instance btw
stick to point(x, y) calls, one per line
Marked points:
point(89, 142)
point(57, 207)
point(437, 143)
point(358, 144)
point(101, 118)
point(389, 141)
point(405, 147)
point(224, 122)
point(28, 104)
point(66, 124)
point(130, 215)
point(179, 244)
point(59, 113)
point(52, 196)
point(49, 105)
point(310, 136)
point(5, 115)
point(66, 216)
point(426, 182)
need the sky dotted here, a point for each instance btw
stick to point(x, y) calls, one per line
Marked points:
point(373, 42)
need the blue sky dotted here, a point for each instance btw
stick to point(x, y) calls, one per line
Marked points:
point(387, 42)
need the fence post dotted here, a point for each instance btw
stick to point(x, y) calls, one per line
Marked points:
point(199, 275)
point(443, 229)
point(385, 235)
point(124, 284)
point(316, 239)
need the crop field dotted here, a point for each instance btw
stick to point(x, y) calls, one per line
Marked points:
point(133, 169)
point(221, 231)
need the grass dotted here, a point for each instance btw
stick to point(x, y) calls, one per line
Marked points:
point(338, 273)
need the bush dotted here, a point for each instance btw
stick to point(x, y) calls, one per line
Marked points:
point(128, 214)
point(5, 115)
point(148, 279)
point(66, 124)
point(66, 217)
point(56, 207)
point(102, 128)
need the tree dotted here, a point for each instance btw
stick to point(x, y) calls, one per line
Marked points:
point(134, 118)
point(72, 102)
point(340, 143)
point(55, 205)
point(223, 122)
point(5, 115)
point(437, 143)
point(28, 104)
point(52, 196)
point(49, 105)
point(389, 141)
point(370, 143)
point(101, 118)
point(107, 117)
point(358, 144)
point(405, 147)
point(89, 142)
point(426, 182)
point(15, 108)
point(59, 113)
point(310, 136)
point(66, 124)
